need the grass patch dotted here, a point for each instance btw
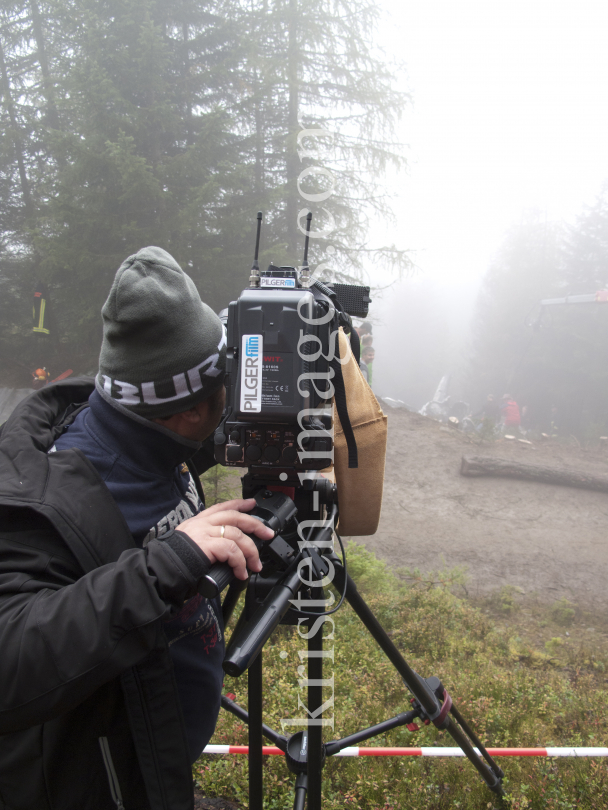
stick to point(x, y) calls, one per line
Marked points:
point(563, 612)
point(500, 660)
point(221, 484)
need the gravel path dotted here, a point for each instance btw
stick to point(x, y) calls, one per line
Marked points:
point(549, 540)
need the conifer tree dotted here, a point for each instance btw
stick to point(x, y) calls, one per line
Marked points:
point(134, 122)
point(506, 357)
point(319, 114)
point(586, 254)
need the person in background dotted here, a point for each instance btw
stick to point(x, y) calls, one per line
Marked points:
point(366, 343)
point(510, 416)
point(526, 421)
point(40, 378)
point(490, 409)
point(364, 328)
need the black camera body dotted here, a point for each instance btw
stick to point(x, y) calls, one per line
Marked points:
point(269, 394)
point(282, 343)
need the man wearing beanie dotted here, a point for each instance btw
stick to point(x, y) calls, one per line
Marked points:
point(111, 659)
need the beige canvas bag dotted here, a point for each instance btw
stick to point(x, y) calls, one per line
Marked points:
point(360, 489)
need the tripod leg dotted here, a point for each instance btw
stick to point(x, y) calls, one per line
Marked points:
point(472, 736)
point(300, 800)
point(315, 732)
point(491, 777)
point(256, 777)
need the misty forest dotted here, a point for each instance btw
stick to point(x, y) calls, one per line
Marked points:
point(143, 122)
point(498, 339)
point(550, 357)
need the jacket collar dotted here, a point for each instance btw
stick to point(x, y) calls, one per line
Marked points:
point(63, 487)
point(149, 446)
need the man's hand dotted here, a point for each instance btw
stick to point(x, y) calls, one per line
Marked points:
point(234, 548)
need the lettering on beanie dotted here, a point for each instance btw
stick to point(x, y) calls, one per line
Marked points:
point(158, 392)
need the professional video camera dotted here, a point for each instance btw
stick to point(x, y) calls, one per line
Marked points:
point(282, 371)
point(283, 378)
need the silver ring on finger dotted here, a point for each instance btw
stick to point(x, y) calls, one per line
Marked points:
point(222, 531)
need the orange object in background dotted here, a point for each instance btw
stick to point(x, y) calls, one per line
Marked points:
point(40, 378)
point(41, 375)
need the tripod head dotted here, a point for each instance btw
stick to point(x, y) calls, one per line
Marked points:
point(278, 588)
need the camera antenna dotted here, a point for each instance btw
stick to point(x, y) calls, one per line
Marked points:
point(254, 278)
point(305, 270)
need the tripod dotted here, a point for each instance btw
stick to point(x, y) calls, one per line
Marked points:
point(282, 598)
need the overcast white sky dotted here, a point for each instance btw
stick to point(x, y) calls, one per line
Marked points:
point(509, 112)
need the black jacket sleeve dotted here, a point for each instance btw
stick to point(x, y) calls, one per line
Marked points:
point(62, 635)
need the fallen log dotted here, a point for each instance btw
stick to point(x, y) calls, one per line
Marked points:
point(474, 466)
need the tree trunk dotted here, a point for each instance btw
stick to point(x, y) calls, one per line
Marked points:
point(291, 159)
point(19, 150)
point(474, 466)
point(47, 80)
point(187, 90)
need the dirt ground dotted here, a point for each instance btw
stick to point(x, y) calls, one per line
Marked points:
point(551, 541)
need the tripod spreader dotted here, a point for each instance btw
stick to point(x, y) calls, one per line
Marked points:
point(296, 753)
point(405, 719)
point(429, 702)
point(238, 711)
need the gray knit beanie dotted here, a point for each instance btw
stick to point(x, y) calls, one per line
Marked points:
point(163, 350)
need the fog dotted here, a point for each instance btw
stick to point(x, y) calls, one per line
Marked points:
point(508, 115)
point(421, 333)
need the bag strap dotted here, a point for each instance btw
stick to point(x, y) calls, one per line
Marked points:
point(342, 409)
point(355, 345)
point(342, 318)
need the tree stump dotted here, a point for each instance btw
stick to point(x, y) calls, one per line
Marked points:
point(474, 466)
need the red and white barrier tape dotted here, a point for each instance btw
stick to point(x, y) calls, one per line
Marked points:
point(437, 751)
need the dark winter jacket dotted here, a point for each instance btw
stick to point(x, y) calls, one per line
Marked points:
point(143, 466)
point(89, 712)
